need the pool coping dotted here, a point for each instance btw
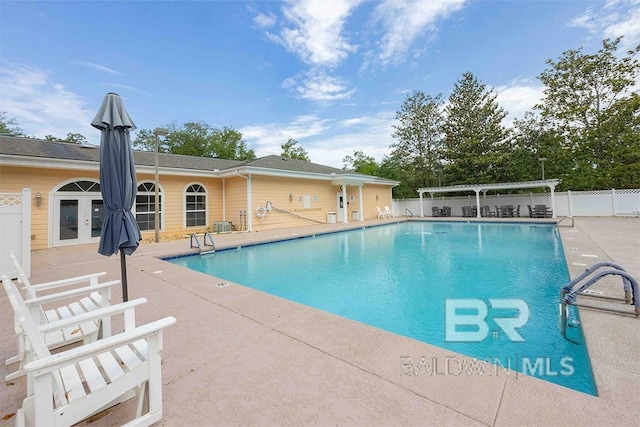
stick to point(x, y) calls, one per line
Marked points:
point(359, 363)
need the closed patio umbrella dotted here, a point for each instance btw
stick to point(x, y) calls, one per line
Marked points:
point(118, 184)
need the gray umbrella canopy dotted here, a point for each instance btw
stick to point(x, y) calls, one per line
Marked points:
point(118, 184)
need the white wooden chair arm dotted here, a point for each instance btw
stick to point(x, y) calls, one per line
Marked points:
point(94, 315)
point(69, 294)
point(69, 281)
point(65, 358)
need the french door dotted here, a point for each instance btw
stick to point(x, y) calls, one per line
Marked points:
point(77, 219)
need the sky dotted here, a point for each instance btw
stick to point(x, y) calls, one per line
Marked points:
point(331, 74)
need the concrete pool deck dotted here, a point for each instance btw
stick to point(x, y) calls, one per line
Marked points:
point(238, 356)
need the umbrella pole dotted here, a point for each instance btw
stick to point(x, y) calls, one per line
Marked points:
point(123, 269)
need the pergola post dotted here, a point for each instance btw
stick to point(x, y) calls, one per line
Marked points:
point(421, 207)
point(553, 202)
point(477, 190)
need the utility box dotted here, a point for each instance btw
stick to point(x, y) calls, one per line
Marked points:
point(355, 215)
point(331, 217)
point(221, 227)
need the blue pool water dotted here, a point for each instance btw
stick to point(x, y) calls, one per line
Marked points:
point(399, 277)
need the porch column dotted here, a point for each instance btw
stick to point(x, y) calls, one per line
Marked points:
point(345, 211)
point(361, 202)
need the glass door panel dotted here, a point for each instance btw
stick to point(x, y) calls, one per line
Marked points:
point(97, 217)
point(68, 224)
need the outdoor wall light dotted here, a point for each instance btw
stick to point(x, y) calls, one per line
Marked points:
point(38, 199)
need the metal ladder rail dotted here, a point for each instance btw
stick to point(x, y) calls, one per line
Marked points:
point(573, 222)
point(191, 239)
point(410, 214)
point(626, 282)
point(207, 236)
point(569, 296)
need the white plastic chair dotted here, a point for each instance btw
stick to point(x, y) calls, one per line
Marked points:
point(68, 387)
point(89, 296)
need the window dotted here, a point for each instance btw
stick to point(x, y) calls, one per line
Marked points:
point(195, 206)
point(146, 208)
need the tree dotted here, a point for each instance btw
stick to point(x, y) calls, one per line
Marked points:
point(228, 144)
point(8, 125)
point(589, 101)
point(360, 163)
point(419, 135)
point(72, 138)
point(290, 150)
point(476, 147)
point(197, 139)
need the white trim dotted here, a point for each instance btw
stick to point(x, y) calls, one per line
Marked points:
point(160, 205)
point(184, 205)
point(52, 214)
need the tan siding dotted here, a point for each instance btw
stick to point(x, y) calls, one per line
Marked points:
point(14, 179)
point(173, 188)
point(277, 191)
point(236, 199)
point(286, 194)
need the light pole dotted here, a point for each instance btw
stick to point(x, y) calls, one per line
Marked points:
point(541, 160)
point(156, 218)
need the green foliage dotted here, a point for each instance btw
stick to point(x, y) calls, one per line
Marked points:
point(590, 104)
point(419, 135)
point(290, 150)
point(197, 139)
point(476, 146)
point(8, 125)
point(360, 163)
point(72, 138)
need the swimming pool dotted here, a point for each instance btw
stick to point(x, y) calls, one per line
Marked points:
point(417, 279)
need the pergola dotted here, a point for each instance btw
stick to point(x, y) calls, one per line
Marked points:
point(550, 183)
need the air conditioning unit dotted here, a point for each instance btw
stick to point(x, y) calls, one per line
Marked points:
point(221, 227)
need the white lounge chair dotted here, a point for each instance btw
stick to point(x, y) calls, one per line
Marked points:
point(68, 387)
point(380, 212)
point(90, 296)
point(387, 212)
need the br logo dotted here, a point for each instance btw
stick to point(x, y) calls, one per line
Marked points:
point(466, 319)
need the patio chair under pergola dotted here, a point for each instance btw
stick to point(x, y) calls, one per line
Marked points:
point(547, 183)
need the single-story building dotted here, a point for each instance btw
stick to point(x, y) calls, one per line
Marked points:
point(195, 193)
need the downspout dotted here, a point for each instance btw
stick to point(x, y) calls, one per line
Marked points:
point(249, 211)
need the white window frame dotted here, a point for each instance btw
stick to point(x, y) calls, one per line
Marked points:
point(186, 193)
point(160, 206)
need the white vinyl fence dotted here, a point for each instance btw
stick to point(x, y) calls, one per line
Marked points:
point(568, 203)
point(15, 231)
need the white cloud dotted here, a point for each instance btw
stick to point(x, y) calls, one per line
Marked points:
point(267, 138)
point(405, 21)
point(614, 19)
point(41, 106)
point(316, 85)
point(95, 67)
point(315, 34)
point(264, 21)
point(518, 97)
point(327, 141)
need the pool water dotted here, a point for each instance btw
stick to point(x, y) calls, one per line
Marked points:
point(402, 277)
